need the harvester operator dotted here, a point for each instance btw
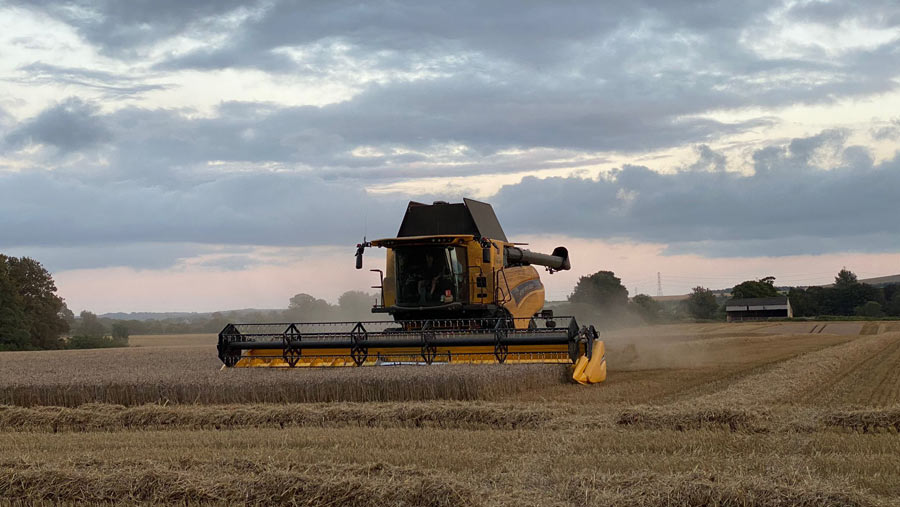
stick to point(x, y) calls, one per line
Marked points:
point(432, 273)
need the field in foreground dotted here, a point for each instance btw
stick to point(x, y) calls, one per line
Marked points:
point(711, 414)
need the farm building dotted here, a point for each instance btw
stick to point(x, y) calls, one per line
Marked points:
point(758, 308)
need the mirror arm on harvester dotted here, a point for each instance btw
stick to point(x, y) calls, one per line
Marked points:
point(458, 291)
point(360, 249)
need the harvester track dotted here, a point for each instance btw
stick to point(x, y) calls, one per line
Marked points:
point(874, 381)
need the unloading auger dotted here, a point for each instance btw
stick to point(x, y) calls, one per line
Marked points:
point(458, 291)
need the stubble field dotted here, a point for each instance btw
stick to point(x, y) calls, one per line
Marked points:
point(702, 414)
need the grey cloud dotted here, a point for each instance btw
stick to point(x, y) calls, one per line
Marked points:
point(113, 85)
point(627, 77)
point(231, 57)
point(674, 52)
point(137, 255)
point(6, 121)
point(574, 80)
point(121, 28)
point(534, 34)
point(510, 26)
point(49, 209)
point(232, 262)
point(875, 13)
point(164, 145)
point(71, 125)
point(671, 52)
point(787, 207)
point(889, 132)
point(708, 160)
point(786, 246)
point(718, 213)
point(803, 149)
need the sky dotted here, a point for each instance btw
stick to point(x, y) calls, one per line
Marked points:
point(197, 156)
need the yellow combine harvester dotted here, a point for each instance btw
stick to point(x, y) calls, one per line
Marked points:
point(458, 291)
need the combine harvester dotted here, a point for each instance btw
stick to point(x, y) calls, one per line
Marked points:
point(458, 292)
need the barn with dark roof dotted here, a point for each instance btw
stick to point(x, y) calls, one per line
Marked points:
point(758, 308)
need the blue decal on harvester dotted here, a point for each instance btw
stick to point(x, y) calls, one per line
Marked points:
point(523, 289)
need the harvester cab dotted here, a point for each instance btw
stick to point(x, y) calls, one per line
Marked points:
point(458, 292)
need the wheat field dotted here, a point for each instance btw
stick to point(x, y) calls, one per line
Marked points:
point(700, 414)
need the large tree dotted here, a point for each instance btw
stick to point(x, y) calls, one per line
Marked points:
point(845, 278)
point(848, 294)
point(870, 309)
point(806, 303)
point(90, 326)
point(306, 308)
point(702, 303)
point(763, 288)
point(601, 289)
point(13, 322)
point(892, 306)
point(647, 307)
point(43, 309)
point(356, 305)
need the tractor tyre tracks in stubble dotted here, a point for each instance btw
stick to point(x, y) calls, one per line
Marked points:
point(874, 381)
point(719, 381)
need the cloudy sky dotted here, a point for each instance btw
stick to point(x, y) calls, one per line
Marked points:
point(170, 155)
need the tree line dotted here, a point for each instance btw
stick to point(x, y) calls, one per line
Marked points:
point(34, 317)
point(351, 306)
point(846, 297)
point(604, 294)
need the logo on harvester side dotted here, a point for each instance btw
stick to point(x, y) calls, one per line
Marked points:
point(523, 289)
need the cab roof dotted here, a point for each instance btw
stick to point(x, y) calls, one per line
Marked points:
point(469, 217)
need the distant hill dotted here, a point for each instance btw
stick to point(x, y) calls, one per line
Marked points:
point(879, 281)
point(182, 316)
point(150, 315)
